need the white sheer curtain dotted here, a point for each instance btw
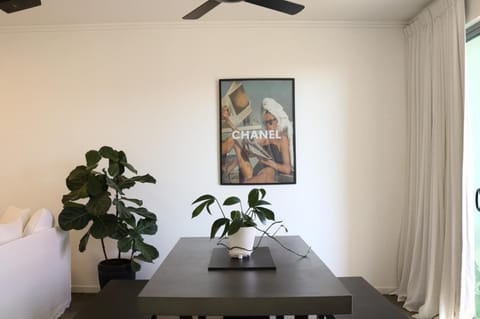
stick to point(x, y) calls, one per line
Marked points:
point(431, 264)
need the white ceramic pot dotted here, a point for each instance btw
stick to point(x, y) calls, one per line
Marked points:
point(244, 238)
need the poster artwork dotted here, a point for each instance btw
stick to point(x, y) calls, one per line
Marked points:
point(257, 131)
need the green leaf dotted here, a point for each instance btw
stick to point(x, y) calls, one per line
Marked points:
point(231, 201)
point(96, 185)
point(83, 242)
point(261, 216)
point(204, 198)
point(123, 161)
point(77, 178)
point(135, 266)
point(146, 227)
point(235, 214)
point(133, 200)
point(125, 244)
point(76, 194)
point(123, 211)
point(264, 192)
point(109, 153)
point(73, 217)
point(199, 209)
point(266, 212)
point(99, 205)
point(216, 226)
point(253, 197)
point(147, 252)
point(144, 179)
point(235, 226)
point(143, 212)
point(111, 183)
point(92, 157)
point(124, 182)
point(262, 202)
point(121, 231)
point(103, 226)
point(113, 169)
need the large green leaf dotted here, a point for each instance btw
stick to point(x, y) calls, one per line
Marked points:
point(83, 242)
point(199, 209)
point(111, 183)
point(123, 211)
point(235, 214)
point(266, 212)
point(253, 197)
point(262, 202)
point(235, 226)
point(110, 153)
point(216, 226)
point(139, 202)
point(77, 178)
point(99, 205)
point(103, 226)
point(124, 162)
point(147, 252)
point(231, 201)
point(125, 244)
point(146, 227)
point(92, 157)
point(96, 185)
point(113, 169)
point(73, 217)
point(202, 198)
point(121, 231)
point(76, 194)
point(143, 212)
point(264, 192)
point(261, 216)
point(135, 266)
point(125, 183)
point(144, 179)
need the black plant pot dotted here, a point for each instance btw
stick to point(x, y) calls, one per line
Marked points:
point(114, 269)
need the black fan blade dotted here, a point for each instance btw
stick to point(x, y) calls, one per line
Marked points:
point(279, 5)
point(201, 10)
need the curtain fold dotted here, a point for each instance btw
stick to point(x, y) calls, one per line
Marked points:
point(430, 264)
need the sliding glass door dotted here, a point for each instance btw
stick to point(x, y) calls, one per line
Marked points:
point(473, 102)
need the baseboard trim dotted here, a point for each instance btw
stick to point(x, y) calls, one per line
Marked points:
point(83, 289)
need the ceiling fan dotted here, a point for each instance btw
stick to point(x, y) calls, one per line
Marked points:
point(278, 5)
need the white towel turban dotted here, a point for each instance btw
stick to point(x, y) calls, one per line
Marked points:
point(284, 124)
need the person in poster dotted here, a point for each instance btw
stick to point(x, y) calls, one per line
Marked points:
point(253, 152)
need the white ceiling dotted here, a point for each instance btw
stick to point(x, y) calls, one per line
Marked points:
point(60, 12)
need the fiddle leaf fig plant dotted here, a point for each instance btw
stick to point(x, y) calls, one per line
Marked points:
point(97, 201)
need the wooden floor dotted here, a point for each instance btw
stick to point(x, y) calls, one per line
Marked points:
point(81, 300)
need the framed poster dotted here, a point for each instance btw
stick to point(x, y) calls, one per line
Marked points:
point(257, 131)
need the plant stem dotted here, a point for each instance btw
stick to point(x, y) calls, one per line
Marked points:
point(103, 247)
point(265, 233)
point(220, 206)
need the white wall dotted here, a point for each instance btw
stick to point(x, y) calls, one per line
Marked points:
point(152, 91)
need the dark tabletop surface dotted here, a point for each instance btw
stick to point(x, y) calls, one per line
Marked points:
point(183, 285)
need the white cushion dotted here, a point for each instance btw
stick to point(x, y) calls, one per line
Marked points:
point(13, 213)
point(11, 231)
point(42, 219)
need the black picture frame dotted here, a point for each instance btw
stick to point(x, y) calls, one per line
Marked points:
point(257, 131)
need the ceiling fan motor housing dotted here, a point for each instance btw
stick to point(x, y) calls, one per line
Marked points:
point(10, 6)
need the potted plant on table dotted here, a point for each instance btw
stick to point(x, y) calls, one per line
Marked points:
point(241, 225)
point(97, 201)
